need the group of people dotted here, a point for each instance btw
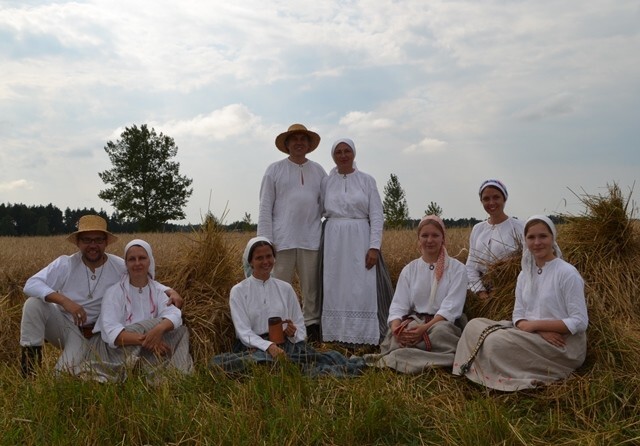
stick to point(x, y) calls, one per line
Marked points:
point(328, 230)
point(107, 314)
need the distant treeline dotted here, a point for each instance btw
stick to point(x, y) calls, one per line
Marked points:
point(23, 220)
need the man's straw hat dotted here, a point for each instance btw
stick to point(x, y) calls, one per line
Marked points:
point(314, 138)
point(91, 223)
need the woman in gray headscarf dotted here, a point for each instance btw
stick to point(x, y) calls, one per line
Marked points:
point(546, 339)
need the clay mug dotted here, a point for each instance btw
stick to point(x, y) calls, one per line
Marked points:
point(276, 331)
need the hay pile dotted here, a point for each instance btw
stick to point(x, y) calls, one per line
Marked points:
point(604, 245)
point(204, 272)
point(502, 275)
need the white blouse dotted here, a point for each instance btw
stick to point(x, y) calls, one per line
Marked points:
point(556, 294)
point(253, 302)
point(414, 287)
point(151, 303)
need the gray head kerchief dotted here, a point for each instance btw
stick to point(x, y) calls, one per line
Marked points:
point(348, 142)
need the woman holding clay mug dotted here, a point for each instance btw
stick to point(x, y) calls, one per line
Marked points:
point(269, 324)
point(259, 298)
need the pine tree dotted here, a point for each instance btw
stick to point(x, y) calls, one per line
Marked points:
point(394, 206)
point(433, 209)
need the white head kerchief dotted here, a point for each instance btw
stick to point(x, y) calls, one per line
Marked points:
point(528, 262)
point(144, 245)
point(348, 142)
point(245, 256)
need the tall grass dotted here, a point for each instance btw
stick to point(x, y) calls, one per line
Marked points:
point(278, 405)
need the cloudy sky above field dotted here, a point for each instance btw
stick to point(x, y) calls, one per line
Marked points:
point(544, 95)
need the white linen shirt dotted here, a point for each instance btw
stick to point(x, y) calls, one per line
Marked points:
point(356, 196)
point(151, 303)
point(69, 276)
point(488, 243)
point(290, 208)
point(414, 287)
point(253, 302)
point(557, 294)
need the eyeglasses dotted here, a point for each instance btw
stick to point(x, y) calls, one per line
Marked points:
point(96, 240)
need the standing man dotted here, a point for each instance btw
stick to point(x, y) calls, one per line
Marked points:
point(65, 297)
point(290, 214)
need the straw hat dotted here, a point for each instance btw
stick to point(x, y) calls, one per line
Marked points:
point(91, 223)
point(314, 138)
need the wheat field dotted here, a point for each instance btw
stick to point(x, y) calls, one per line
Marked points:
point(596, 405)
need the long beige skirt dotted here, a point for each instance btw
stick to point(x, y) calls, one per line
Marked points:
point(512, 359)
point(444, 336)
point(111, 364)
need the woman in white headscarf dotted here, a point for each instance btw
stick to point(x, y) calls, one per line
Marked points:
point(255, 303)
point(260, 297)
point(546, 339)
point(137, 322)
point(492, 239)
point(355, 287)
point(429, 299)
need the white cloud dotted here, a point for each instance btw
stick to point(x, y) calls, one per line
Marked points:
point(232, 120)
point(15, 185)
point(427, 145)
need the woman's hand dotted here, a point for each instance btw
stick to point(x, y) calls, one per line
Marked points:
point(291, 329)
point(553, 338)
point(153, 338)
point(174, 298)
point(483, 295)
point(371, 258)
point(275, 351)
point(412, 336)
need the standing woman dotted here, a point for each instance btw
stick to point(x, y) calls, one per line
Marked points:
point(137, 322)
point(429, 298)
point(353, 311)
point(546, 339)
point(492, 239)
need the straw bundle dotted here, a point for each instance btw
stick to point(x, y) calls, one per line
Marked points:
point(502, 275)
point(204, 272)
point(604, 244)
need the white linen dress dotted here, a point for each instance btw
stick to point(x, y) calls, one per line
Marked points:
point(355, 221)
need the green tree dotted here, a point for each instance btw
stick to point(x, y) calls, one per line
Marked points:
point(394, 206)
point(433, 209)
point(146, 185)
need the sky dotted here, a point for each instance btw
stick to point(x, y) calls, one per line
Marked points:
point(541, 94)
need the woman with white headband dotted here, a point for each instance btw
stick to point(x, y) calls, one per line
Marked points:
point(492, 239)
point(137, 323)
point(355, 304)
point(546, 339)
